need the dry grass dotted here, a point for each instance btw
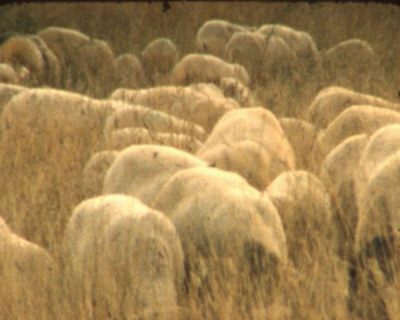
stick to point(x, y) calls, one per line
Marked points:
point(38, 194)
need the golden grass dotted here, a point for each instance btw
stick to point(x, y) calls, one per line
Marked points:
point(320, 288)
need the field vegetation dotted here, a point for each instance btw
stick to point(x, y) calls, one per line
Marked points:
point(41, 175)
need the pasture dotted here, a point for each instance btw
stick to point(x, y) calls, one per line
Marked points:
point(200, 161)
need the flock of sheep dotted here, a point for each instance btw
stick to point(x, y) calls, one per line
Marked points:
point(168, 187)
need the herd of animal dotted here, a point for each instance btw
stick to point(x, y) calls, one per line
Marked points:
point(256, 178)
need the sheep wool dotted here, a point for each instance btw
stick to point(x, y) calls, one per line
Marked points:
point(141, 170)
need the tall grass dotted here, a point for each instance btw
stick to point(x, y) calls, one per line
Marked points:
point(321, 288)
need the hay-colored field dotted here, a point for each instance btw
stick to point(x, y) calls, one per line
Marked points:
point(41, 172)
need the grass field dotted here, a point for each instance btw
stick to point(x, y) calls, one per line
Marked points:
point(317, 288)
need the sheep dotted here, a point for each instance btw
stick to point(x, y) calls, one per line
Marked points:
point(250, 142)
point(354, 120)
point(333, 100)
point(301, 135)
point(87, 64)
point(247, 49)
point(47, 137)
point(225, 133)
point(274, 69)
point(51, 75)
point(230, 235)
point(248, 158)
point(305, 211)
point(196, 67)
point(65, 44)
point(337, 174)
point(381, 144)
point(300, 42)
point(153, 267)
point(280, 63)
point(129, 72)
point(351, 63)
point(265, 61)
point(34, 62)
point(159, 58)
point(81, 246)
point(94, 172)
point(183, 102)
point(27, 277)
point(96, 69)
point(123, 138)
point(121, 258)
point(141, 170)
point(154, 121)
point(376, 264)
point(213, 35)
point(302, 200)
point(379, 215)
point(62, 41)
point(23, 54)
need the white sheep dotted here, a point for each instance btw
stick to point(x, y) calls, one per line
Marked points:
point(375, 263)
point(26, 58)
point(379, 216)
point(300, 42)
point(158, 59)
point(141, 170)
point(333, 100)
point(96, 69)
point(381, 144)
point(190, 104)
point(250, 142)
point(213, 35)
point(230, 234)
point(27, 277)
point(123, 138)
point(154, 121)
point(129, 72)
point(356, 119)
point(338, 173)
point(65, 44)
point(351, 63)
point(87, 65)
point(196, 67)
point(51, 73)
point(265, 60)
point(121, 258)
point(48, 136)
point(302, 202)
